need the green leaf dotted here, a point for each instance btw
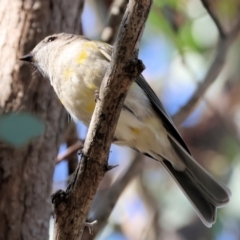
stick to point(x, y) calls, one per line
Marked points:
point(18, 129)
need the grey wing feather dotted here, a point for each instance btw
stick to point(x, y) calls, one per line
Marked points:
point(106, 50)
point(161, 112)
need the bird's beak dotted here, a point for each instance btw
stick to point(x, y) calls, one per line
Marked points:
point(27, 58)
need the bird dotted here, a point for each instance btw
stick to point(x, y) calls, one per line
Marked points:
point(75, 67)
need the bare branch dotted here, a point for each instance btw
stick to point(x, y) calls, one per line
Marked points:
point(116, 13)
point(71, 207)
point(214, 18)
point(213, 72)
point(70, 151)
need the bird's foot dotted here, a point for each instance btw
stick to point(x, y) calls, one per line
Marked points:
point(96, 96)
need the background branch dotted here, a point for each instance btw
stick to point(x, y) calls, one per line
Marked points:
point(214, 18)
point(71, 207)
point(213, 72)
point(117, 10)
point(71, 150)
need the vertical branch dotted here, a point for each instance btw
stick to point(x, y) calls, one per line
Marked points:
point(26, 173)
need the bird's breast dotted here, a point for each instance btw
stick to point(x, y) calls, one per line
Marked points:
point(77, 98)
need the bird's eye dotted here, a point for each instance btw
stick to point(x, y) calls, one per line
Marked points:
point(51, 39)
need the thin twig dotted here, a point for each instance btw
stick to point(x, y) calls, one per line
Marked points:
point(70, 151)
point(214, 18)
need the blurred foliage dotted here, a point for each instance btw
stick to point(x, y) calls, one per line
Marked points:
point(169, 19)
point(18, 129)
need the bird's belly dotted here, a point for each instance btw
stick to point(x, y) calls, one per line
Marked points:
point(141, 135)
point(79, 102)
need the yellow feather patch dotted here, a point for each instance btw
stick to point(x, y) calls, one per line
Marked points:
point(134, 86)
point(68, 73)
point(135, 131)
point(61, 100)
point(82, 56)
point(153, 122)
point(91, 86)
point(90, 107)
point(89, 45)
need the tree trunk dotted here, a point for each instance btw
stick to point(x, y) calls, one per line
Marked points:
point(26, 173)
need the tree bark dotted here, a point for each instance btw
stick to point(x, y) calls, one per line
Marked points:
point(26, 173)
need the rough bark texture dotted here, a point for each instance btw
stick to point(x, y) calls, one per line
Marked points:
point(71, 207)
point(26, 173)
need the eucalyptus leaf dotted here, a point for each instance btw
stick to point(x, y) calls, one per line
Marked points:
point(18, 129)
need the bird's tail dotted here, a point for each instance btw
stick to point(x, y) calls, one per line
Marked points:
point(204, 191)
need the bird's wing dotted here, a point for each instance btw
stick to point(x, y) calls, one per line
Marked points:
point(161, 112)
point(106, 50)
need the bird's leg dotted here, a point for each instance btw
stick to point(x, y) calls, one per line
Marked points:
point(96, 96)
point(90, 226)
